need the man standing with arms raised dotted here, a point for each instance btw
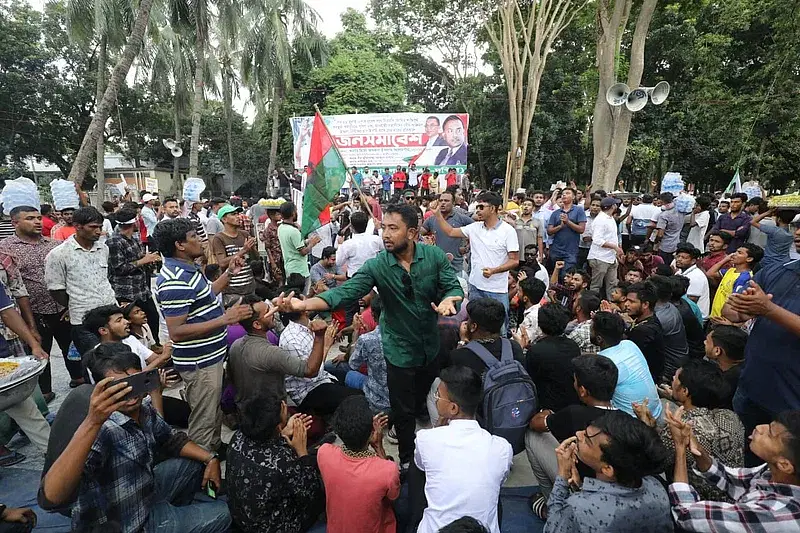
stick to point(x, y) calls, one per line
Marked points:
point(415, 282)
point(494, 250)
point(566, 225)
point(455, 218)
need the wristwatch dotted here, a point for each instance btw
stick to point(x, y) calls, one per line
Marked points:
point(214, 455)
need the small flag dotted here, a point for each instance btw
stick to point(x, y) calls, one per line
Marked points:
point(735, 185)
point(327, 173)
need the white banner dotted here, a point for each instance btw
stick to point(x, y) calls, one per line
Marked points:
point(380, 141)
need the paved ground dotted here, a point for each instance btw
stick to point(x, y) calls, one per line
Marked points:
point(520, 473)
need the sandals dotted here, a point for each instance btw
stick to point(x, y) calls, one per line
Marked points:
point(9, 457)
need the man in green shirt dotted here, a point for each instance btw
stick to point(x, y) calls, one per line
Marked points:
point(294, 249)
point(411, 277)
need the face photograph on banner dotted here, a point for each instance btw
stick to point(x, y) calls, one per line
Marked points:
point(388, 140)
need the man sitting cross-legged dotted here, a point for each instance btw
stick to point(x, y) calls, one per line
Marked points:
point(623, 496)
point(594, 379)
point(765, 498)
point(255, 365)
point(110, 462)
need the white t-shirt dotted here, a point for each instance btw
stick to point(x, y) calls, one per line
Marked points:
point(138, 348)
point(646, 212)
point(698, 286)
point(698, 233)
point(604, 230)
point(489, 248)
point(356, 251)
point(543, 276)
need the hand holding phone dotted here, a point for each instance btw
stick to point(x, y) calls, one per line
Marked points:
point(140, 383)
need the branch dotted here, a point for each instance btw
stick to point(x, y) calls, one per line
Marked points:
point(639, 38)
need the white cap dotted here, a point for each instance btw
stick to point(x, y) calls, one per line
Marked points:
point(149, 197)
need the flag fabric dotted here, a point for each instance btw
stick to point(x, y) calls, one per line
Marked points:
point(735, 185)
point(327, 173)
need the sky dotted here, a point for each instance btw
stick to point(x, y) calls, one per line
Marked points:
point(331, 10)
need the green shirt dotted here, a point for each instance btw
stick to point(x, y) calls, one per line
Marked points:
point(291, 241)
point(409, 325)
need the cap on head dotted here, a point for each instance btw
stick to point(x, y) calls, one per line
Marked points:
point(227, 209)
point(608, 201)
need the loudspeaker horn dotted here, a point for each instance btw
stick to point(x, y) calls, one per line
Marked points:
point(659, 93)
point(617, 94)
point(177, 151)
point(637, 99)
point(169, 144)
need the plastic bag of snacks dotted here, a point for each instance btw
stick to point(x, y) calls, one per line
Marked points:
point(786, 200)
point(18, 192)
point(64, 195)
point(192, 189)
point(684, 203)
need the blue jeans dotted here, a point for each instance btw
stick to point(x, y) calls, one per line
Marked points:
point(174, 509)
point(502, 297)
point(343, 373)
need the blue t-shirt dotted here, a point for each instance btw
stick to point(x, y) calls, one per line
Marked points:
point(565, 242)
point(634, 382)
point(387, 182)
point(779, 242)
point(5, 303)
point(771, 373)
point(357, 177)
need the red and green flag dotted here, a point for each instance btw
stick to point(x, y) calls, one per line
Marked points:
point(326, 176)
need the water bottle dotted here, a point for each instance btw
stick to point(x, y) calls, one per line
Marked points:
point(73, 354)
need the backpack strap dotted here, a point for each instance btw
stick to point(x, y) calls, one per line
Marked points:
point(506, 354)
point(486, 356)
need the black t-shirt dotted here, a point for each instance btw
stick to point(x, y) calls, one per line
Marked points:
point(465, 356)
point(571, 419)
point(549, 364)
point(649, 337)
point(695, 336)
point(731, 377)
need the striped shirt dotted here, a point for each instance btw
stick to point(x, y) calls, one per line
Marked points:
point(222, 246)
point(183, 290)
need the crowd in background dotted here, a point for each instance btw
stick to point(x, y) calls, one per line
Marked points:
point(644, 358)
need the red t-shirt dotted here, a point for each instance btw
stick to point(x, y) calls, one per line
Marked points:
point(372, 482)
point(399, 180)
point(451, 179)
point(47, 226)
point(63, 233)
point(424, 181)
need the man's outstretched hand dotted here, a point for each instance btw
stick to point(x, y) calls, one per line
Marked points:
point(287, 303)
point(447, 307)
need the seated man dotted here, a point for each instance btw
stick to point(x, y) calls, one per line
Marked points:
point(623, 496)
point(360, 483)
point(369, 350)
point(273, 483)
point(634, 383)
point(580, 329)
point(320, 394)
point(765, 498)
point(255, 365)
point(594, 378)
point(110, 462)
point(699, 388)
point(442, 454)
point(549, 360)
point(725, 346)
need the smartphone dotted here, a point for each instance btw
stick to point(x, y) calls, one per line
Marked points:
point(142, 383)
point(211, 489)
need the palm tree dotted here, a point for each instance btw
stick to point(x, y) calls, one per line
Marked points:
point(168, 59)
point(202, 21)
point(105, 23)
point(133, 45)
point(267, 52)
point(227, 55)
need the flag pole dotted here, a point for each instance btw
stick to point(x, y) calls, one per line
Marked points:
point(346, 167)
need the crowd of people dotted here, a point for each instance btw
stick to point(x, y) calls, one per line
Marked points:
point(644, 359)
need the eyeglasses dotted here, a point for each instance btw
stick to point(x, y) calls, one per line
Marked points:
point(437, 397)
point(408, 285)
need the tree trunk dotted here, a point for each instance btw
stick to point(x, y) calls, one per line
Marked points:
point(228, 97)
point(197, 106)
point(131, 50)
point(612, 125)
point(101, 149)
point(277, 99)
point(176, 161)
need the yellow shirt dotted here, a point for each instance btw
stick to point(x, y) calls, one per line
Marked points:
point(512, 206)
point(724, 290)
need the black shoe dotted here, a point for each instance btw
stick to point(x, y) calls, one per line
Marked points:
point(49, 397)
point(9, 457)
